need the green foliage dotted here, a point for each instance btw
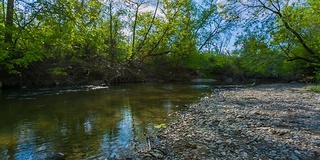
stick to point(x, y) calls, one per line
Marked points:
point(52, 33)
point(314, 88)
point(303, 20)
point(280, 38)
point(257, 58)
point(163, 125)
point(220, 66)
point(317, 76)
point(59, 72)
point(178, 34)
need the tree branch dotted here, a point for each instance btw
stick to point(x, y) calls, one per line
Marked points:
point(289, 28)
point(149, 29)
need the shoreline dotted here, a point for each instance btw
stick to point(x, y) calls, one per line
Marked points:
point(273, 121)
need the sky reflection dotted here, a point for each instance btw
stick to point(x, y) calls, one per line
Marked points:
point(100, 123)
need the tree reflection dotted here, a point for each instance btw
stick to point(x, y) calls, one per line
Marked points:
point(106, 123)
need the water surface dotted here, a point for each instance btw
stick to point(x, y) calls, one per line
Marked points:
point(87, 122)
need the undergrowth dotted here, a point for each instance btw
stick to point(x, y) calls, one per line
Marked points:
point(315, 88)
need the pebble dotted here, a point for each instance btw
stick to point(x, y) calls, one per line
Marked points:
point(219, 142)
point(293, 157)
point(244, 155)
point(262, 122)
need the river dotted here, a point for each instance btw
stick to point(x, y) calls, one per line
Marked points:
point(87, 122)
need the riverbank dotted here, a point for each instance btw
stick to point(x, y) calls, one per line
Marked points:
point(277, 121)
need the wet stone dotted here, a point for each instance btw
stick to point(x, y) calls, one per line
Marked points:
point(293, 157)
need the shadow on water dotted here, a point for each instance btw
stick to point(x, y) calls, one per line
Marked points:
point(87, 122)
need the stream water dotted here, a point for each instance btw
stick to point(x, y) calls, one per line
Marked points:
point(87, 122)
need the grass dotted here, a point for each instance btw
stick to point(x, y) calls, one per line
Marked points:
point(314, 88)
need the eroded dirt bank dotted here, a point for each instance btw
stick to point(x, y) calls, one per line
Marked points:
point(278, 121)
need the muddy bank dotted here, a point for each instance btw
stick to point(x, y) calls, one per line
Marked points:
point(278, 121)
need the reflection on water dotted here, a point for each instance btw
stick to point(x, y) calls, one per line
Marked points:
point(87, 122)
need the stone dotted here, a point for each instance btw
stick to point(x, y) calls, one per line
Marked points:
point(240, 116)
point(293, 157)
point(228, 80)
point(203, 80)
point(58, 156)
point(97, 83)
point(317, 142)
point(219, 142)
point(244, 155)
point(273, 153)
point(297, 152)
point(157, 154)
point(260, 122)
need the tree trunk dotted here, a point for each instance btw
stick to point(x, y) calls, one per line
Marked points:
point(9, 22)
point(111, 32)
point(134, 32)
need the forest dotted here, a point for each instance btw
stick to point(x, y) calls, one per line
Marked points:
point(64, 42)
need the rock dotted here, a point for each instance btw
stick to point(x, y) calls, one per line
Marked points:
point(244, 155)
point(295, 82)
point(317, 142)
point(0, 84)
point(57, 156)
point(202, 80)
point(157, 154)
point(293, 157)
point(228, 80)
point(275, 121)
point(219, 142)
point(297, 152)
point(240, 116)
point(97, 83)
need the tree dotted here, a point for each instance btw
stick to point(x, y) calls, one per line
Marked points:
point(291, 26)
point(299, 28)
point(105, 38)
point(257, 58)
point(9, 22)
point(210, 27)
point(136, 6)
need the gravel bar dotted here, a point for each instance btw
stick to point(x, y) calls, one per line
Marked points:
point(274, 121)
